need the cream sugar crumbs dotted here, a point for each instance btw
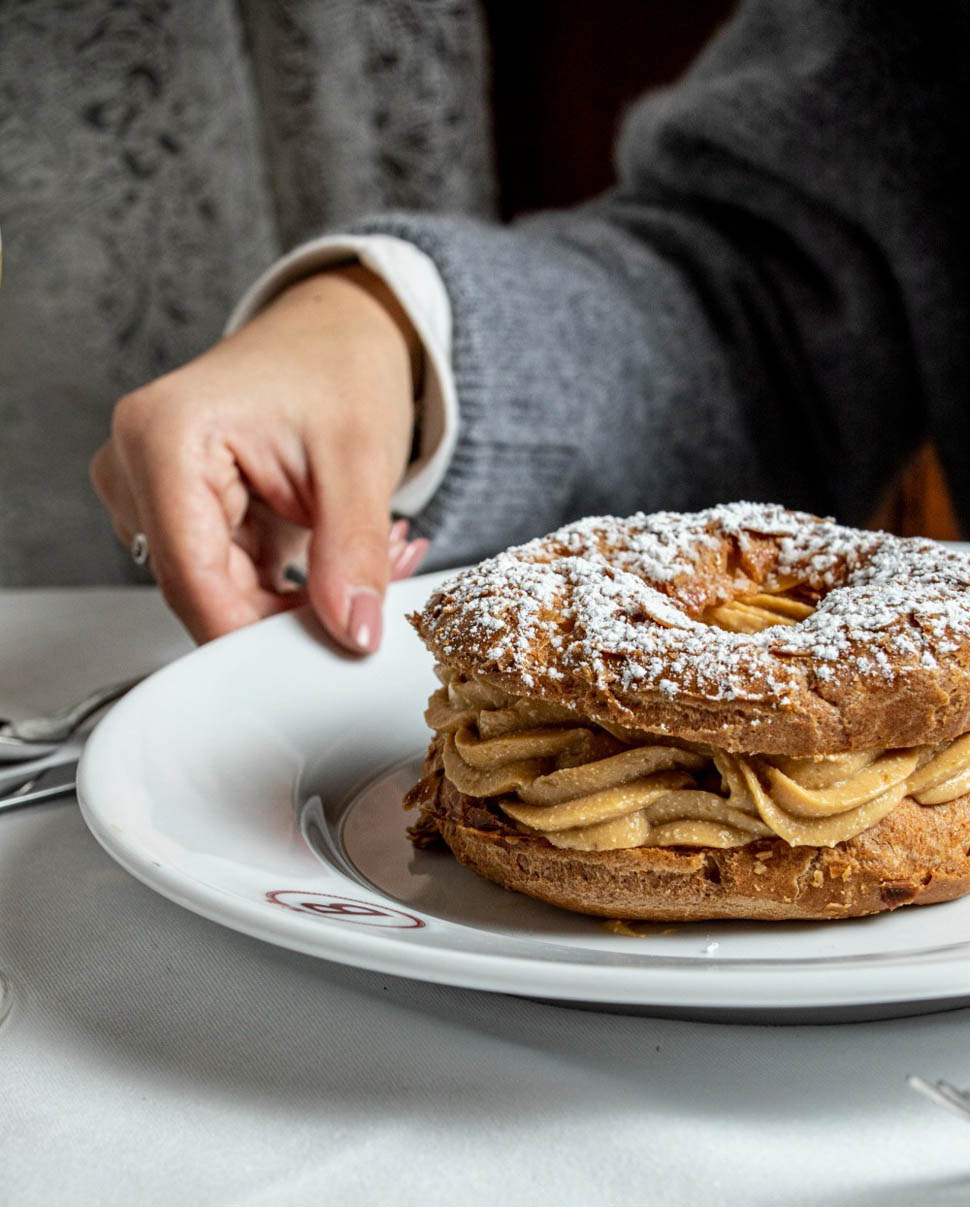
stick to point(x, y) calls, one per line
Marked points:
point(890, 604)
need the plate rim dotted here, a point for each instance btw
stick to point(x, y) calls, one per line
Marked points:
point(818, 987)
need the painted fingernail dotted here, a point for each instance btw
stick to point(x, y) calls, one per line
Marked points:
point(394, 551)
point(399, 531)
point(364, 620)
point(410, 558)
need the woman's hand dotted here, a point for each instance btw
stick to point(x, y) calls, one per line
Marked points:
point(282, 443)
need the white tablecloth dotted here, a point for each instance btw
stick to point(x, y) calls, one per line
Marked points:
point(152, 1057)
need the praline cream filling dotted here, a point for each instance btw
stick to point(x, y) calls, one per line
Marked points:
point(595, 787)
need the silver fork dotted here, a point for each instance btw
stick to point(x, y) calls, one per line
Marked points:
point(32, 793)
point(943, 1094)
point(21, 777)
point(36, 736)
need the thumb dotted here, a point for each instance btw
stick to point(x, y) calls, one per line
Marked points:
point(347, 564)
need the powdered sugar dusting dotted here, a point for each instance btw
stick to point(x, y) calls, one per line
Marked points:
point(617, 600)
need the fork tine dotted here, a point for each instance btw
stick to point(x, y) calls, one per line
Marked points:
point(31, 796)
point(943, 1094)
point(959, 1098)
point(14, 776)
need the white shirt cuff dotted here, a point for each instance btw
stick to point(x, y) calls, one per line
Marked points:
point(419, 289)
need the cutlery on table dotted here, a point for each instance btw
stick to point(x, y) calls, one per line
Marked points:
point(22, 741)
point(943, 1094)
point(33, 792)
point(15, 777)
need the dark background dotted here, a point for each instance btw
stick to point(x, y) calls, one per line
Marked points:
point(569, 65)
point(564, 71)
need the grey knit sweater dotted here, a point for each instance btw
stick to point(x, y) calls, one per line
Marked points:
point(773, 303)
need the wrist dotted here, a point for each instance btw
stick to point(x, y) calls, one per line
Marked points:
point(355, 303)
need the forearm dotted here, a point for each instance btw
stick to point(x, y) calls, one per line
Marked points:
point(738, 319)
point(583, 365)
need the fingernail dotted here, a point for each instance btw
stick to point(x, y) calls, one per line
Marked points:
point(394, 551)
point(399, 531)
point(410, 558)
point(364, 620)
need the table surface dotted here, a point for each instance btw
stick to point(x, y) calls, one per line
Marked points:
point(153, 1057)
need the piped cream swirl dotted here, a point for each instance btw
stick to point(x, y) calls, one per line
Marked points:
point(592, 786)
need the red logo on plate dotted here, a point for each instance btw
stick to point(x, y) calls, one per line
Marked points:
point(342, 909)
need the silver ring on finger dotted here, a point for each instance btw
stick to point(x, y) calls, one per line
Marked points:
point(139, 549)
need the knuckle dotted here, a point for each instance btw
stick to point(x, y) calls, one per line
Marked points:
point(131, 415)
point(137, 412)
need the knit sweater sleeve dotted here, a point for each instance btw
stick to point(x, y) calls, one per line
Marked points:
point(753, 312)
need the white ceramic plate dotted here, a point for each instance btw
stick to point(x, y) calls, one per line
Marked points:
point(258, 782)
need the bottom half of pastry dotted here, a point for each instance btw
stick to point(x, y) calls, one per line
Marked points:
point(914, 855)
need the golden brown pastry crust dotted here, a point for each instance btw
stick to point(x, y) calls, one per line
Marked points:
point(664, 884)
point(916, 856)
point(607, 617)
point(604, 616)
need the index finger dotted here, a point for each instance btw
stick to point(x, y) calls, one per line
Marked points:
point(200, 571)
point(189, 519)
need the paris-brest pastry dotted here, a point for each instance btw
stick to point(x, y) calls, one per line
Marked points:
point(745, 712)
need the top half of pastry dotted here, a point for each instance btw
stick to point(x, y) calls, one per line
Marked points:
point(745, 626)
